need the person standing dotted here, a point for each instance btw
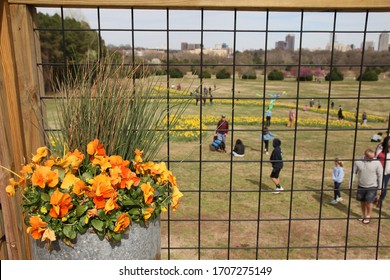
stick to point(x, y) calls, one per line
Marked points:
point(340, 113)
point(277, 164)
point(311, 103)
point(266, 136)
point(332, 105)
point(364, 118)
point(383, 155)
point(205, 92)
point(337, 177)
point(222, 128)
point(291, 118)
point(370, 174)
point(268, 116)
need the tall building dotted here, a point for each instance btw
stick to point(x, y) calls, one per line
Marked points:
point(290, 42)
point(369, 46)
point(184, 46)
point(280, 45)
point(383, 44)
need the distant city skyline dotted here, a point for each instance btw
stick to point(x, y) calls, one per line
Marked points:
point(186, 26)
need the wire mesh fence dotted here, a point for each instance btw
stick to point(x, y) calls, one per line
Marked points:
point(227, 62)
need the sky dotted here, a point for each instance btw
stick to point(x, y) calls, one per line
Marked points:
point(185, 26)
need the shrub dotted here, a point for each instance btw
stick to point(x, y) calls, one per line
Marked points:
point(205, 75)
point(275, 75)
point(223, 74)
point(369, 76)
point(306, 74)
point(249, 76)
point(160, 72)
point(175, 73)
point(335, 75)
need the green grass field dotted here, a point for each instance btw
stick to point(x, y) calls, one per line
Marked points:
point(228, 209)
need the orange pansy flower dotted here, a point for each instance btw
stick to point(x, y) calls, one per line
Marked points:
point(95, 148)
point(176, 195)
point(41, 153)
point(69, 181)
point(138, 156)
point(61, 203)
point(37, 227)
point(43, 176)
point(148, 212)
point(80, 188)
point(10, 189)
point(111, 203)
point(148, 192)
point(122, 223)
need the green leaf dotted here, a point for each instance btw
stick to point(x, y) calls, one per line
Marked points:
point(134, 211)
point(117, 236)
point(86, 176)
point(97, 224)
point(128, 202)
point(45, 196)
point(102, 215)
point(81, 209)
point(69, 232)
point(61, 171)
point(80, 228)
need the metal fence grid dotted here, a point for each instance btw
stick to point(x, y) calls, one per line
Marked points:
point(263, 233)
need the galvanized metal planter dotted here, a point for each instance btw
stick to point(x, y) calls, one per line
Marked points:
point(139, 243)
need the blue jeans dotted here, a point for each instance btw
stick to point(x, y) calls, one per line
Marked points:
point(384, 184)
point(223, 137)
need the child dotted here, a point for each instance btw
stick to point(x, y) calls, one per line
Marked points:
point(276, 160)
point(266, 135)
point(338, 177)
point(218, 145)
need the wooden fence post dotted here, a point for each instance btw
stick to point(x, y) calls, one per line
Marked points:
point(18, 86)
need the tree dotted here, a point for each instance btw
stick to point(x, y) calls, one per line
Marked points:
point(74, 43)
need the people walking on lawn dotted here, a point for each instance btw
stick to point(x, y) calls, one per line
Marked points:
point(370, 172)
point(277, 164)
point(337, 177)
point(266, 135)
point(383, 155)
point(222, 128)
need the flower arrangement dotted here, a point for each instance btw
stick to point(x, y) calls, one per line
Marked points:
point(69, 195)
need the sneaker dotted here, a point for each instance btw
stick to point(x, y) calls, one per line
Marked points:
point(339, 199)
point(267, 153)
point(334, 201)
point(277, 190)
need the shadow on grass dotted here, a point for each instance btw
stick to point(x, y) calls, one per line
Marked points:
point(343, 207)
point(252, 149)
point(264, 186)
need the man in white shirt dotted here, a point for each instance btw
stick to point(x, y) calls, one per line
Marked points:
point(370, 173)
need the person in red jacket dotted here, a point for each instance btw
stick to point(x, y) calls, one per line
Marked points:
point(222, 129)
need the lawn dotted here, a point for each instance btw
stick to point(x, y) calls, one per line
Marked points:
point(228, 209)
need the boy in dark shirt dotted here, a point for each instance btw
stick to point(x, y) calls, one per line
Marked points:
point(277, 164)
